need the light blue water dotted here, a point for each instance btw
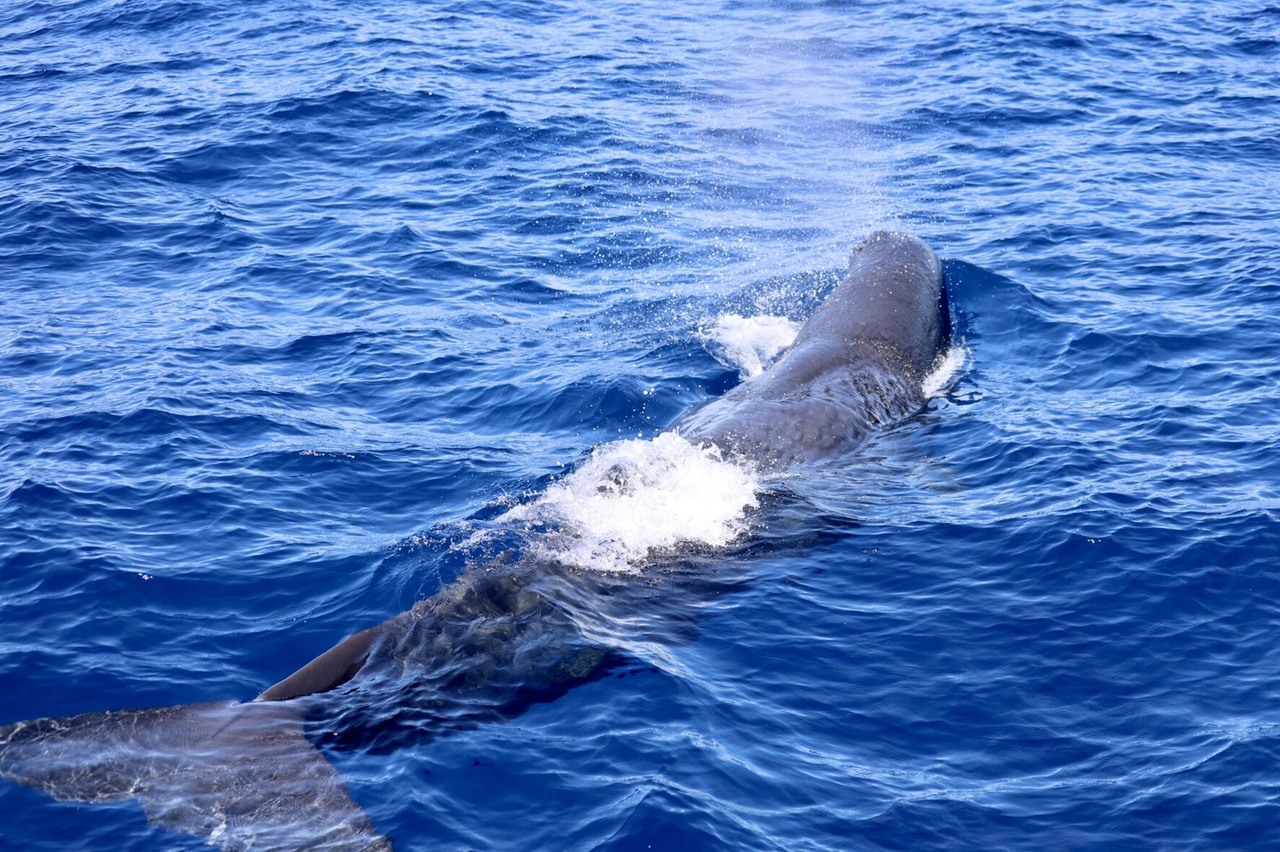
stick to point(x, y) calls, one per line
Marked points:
point(295, 292)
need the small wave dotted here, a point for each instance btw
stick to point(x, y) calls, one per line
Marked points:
point(632, 499)
point(749, 344)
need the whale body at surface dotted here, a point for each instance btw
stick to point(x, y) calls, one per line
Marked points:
point(858, 363)
point(503, 635)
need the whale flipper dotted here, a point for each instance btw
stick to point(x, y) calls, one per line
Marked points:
point(328, 671)
point(241, 774)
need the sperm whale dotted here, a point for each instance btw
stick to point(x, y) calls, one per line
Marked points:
point(503, 635)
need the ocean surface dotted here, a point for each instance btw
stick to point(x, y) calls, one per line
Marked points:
point(310, 306)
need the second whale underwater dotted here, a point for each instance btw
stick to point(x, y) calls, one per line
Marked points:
point(502, 635)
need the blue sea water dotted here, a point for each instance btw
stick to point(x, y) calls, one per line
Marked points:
point(297, 295)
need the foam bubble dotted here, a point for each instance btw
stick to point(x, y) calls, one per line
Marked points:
point(949, 366)
point(749, 344)
point(633, 499)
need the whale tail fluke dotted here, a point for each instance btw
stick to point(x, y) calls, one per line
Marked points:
point(242, 775)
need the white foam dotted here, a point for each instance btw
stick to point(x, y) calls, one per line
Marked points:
point(749, 344)
point(634, 499)
point(939, 381)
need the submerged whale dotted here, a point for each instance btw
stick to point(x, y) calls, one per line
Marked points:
point(246, 775)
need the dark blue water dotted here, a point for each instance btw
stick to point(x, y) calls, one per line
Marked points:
point(298, 294)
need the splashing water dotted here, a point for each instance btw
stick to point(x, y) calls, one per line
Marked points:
point(948, 368)
point(632, 499)
point(749, 344)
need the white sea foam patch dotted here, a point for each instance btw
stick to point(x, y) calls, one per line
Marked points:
point(749, 344)
point(937, 382)
point(633, 499)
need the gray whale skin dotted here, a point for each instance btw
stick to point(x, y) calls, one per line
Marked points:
point(244, 775)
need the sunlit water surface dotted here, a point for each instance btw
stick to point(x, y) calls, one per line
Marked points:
point(307, 306)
